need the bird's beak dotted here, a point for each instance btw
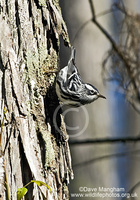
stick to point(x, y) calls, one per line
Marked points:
point(101, 96)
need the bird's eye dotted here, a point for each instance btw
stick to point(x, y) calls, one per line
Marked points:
point(92, 92)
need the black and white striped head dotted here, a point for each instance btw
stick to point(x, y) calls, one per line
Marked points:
point(91, 93)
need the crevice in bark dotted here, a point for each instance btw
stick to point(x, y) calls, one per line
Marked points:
point(37, 4)
point(51, 103)
point(18, 25)
point(42, 147)
point(30, 9)
point(2, 68)
point(48, 41)
point(16, 99)
point(3, 85)
point(7, 10)
point(26, 172)
point(10, 164)
point(32, 18)
point(8, 138)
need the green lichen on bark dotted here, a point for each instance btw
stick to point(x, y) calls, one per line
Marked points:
point(49, 150)
point(56, 3)
point(42, 68)
point(39, 76)
point(42, 3)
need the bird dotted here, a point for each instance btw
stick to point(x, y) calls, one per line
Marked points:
point(70, 88)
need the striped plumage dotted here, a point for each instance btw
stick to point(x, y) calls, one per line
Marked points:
point(70, 88)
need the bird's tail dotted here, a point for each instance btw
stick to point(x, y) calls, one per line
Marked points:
point(71, 63)
point(72, 56)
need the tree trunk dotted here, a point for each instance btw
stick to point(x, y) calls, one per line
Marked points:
point(31, 147)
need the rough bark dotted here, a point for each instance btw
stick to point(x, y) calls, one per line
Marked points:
point(31, 147)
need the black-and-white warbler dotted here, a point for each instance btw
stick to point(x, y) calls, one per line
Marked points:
point(71, 89)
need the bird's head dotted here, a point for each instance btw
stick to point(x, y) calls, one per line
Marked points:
point(92, 93)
